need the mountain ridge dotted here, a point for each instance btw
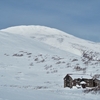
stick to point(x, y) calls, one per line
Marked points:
point(54, 37)
point(32, 29)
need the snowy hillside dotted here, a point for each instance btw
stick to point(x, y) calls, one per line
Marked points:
point(34, 68)
point(55, 38)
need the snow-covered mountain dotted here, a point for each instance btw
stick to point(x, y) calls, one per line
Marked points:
point(54, 38)
point(34, 58)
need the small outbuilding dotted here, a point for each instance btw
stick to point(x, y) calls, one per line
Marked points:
point(97, 81)
point(83, 84)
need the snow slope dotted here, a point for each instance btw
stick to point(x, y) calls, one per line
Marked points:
point(54, 37)
point(32, 69)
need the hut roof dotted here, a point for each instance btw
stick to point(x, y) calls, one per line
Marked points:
point(76, 76)
point(82, 82)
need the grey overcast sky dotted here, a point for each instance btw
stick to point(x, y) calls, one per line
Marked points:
point(80, 18)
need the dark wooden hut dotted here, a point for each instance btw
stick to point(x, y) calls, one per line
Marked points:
point(71, 80)
point(68, 81)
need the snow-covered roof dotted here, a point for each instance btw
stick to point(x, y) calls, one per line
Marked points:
point(75, 76)
point(82, 82)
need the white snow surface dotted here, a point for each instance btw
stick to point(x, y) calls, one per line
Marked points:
point(54, 37)
point(83, 82)
point(35, 59)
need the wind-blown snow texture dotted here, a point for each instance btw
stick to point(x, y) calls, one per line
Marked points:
point(35, 59)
